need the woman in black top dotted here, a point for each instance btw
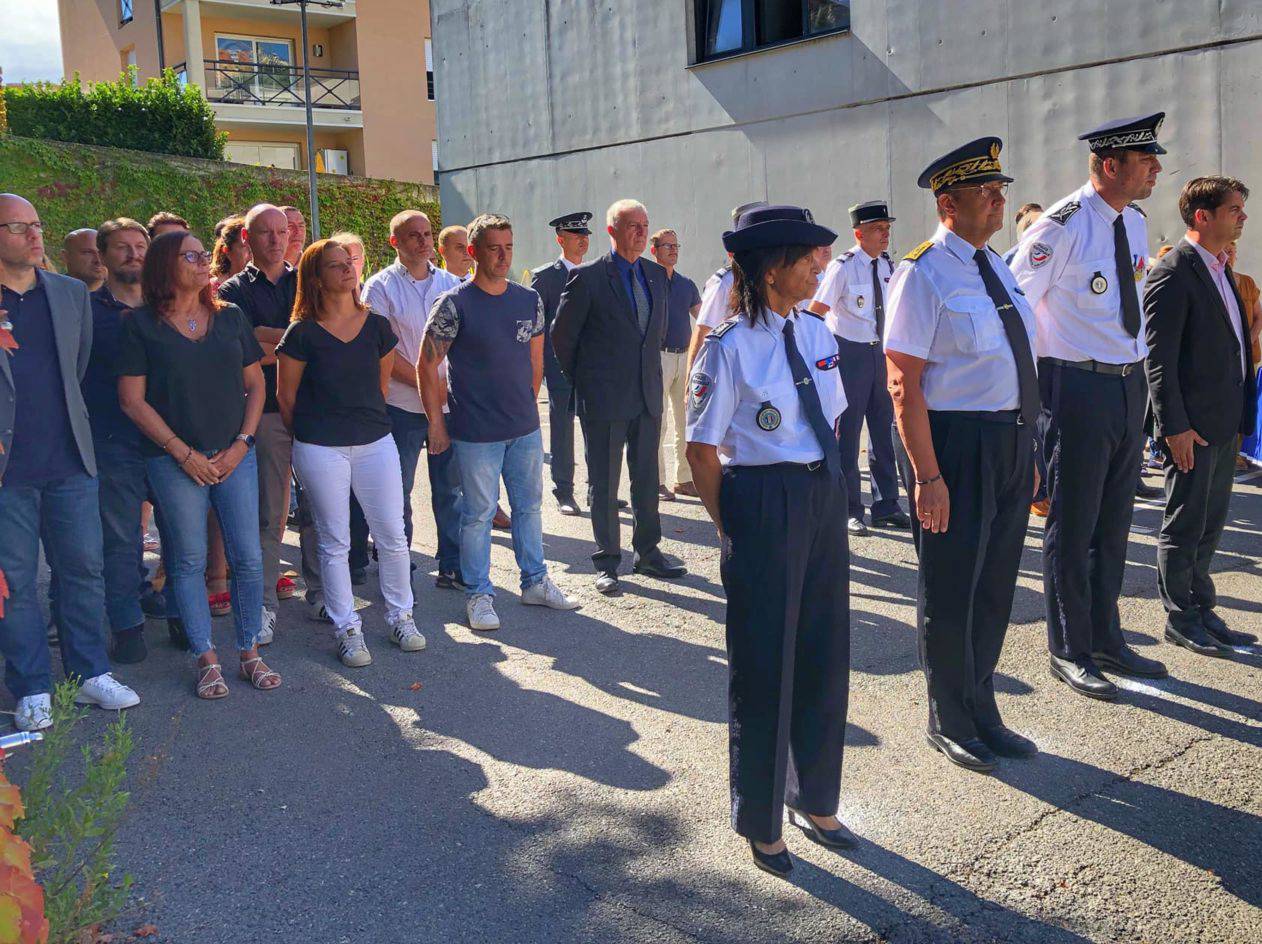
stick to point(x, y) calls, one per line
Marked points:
point(333, 365)
point(189, 378)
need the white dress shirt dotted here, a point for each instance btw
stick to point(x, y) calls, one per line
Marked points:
point(715, 308)
point(1217, 265)
point(938, 310)
point(846, 288)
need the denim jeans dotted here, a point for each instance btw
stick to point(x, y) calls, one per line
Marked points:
point(184, 506)
point(479, 467)
point(64, 514)
point(411, 433)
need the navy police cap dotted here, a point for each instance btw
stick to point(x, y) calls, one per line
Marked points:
point(974, 163)
point(572, 223)
point(776, 225)
point(1129, 134)
point(874, 211)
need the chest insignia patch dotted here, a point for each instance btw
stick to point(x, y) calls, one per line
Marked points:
point(827, 363)
point(859, 302)
point(768, 417)
point(1099, 284)
point(1141, 267)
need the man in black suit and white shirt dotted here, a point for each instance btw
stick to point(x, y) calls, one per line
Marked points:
point(607, 337)
point(1202, 393)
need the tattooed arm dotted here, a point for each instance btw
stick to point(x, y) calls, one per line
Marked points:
point(440, 330)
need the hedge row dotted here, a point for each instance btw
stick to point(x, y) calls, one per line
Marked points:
point(75, 185)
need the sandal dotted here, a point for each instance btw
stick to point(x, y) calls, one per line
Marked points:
point(257, 676)
point(220, 603)
point(211, 688)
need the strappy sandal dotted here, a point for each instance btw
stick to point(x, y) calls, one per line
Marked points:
point(256, 676)
point(208, 688)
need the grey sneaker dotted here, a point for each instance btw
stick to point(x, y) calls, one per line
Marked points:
point(480, 609)
point(405, 635)
point(352, 649)
point(546, 593)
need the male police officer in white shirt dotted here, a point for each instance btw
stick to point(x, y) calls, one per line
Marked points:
point(1080, 267)
point(851, 297)
point(958, 339)
point(715, 294)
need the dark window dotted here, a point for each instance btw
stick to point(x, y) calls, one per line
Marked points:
point(726, 27)
point(124, 11)
point(429, 70)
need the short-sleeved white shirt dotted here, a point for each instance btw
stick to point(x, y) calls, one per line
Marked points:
point(846, 288)
point(715, 307)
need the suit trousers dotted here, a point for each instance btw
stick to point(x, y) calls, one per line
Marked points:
point(863, 372)
point(607, 440)
point(785, 567)
point(968, 573)
point(674, 382)
point(1093, 442)
point(561, 434)
point(1196, 512)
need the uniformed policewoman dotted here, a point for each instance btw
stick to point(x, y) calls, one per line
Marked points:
point(959, 342)
point(764, 398)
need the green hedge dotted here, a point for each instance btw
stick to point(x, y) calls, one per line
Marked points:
point(75, 185)
point(160, 115)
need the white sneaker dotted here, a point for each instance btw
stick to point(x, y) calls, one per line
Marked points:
point(480, 609)
point(268, 630)
point(34, 712)
point(106, 692)
point(405, 634)
point(546, 593)
point(352, 649)
point(316, 610)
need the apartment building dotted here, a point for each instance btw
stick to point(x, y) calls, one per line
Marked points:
point(372, 79)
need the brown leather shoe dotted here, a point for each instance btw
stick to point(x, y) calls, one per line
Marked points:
point(687, 489)
point(665, 494)
point(1040, 508)
point(501, 520)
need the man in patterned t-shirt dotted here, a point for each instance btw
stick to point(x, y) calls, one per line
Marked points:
point(490, 330)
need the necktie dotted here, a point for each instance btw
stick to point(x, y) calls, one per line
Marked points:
point(640, 301)
point(1126, 278)
point(1018, 340)
point(809, 398)
point(878, 301)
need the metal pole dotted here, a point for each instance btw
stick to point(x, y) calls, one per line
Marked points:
point(313, 199)
point(157, 22)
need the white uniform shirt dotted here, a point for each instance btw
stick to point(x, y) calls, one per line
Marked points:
point(715, 294)
point(1059, 265)
point(406, 302)
point(741, 368)
point(846, 288)
point(938, 310)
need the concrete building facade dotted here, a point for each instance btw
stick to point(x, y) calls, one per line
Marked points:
point(695, 106)
point(371, 67)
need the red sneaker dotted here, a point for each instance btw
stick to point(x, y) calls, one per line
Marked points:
point(220, 603)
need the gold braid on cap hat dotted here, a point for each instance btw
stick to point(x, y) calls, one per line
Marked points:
point(966, 169)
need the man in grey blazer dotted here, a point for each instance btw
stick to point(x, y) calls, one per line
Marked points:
point(607, 337)
point(48, 487)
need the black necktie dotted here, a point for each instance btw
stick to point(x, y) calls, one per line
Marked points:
point(1126, 278)
point(878, 301)
point(1018, 340)
point(809, 398)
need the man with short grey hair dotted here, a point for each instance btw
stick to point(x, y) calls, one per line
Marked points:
point(82, 259)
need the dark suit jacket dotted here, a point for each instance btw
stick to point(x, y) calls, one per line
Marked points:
point(616, 372)
point(1193, 366)
point(549, 282)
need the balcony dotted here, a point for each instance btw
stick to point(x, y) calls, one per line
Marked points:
point(242, 83)
point(318, 15)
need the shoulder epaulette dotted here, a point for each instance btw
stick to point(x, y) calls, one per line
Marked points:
point(1062, 215)
point(847, 255)
point(813, 314)
point(918, 251)
point(1138, 209)
point(720, 272)
point(724, 328)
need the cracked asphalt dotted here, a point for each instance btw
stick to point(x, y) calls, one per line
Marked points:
point(565, 779)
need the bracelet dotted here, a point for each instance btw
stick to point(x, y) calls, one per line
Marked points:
point(929, 481)
point(170, 439)
point(188, 455)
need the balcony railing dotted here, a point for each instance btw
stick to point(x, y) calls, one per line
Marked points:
point(249, 83)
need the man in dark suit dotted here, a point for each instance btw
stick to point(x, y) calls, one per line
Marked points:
point(549, 281)
point(1202, 393)
point(607, 336)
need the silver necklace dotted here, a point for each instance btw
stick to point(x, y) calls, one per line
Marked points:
point(192, 325)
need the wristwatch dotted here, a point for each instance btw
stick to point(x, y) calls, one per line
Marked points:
point(247, 439)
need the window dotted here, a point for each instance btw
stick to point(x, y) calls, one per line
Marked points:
point(252, 68)
point(128, 61)
point(433, 150)
point(429, 70)
point(124, 11)
point(284, 156)
point(727, 27)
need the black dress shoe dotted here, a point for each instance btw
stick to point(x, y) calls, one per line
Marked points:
point(129, 646)
point(359, 576)
point(779, 864)
point(1195, 637)
point(176, 632)
point(840, 838)
point(567, 506)
point(153, 604)
point(659, 565)
point(608, 584)
point(1083, 679)
point(895, 519)
point(1219, 630)
point(1007, 743)
point(1127, 661)
point(623, 503)
point(971, 754)
point(1144, 490)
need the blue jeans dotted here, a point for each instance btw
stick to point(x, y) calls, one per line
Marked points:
point(64, 514)
point(411, 433)
point(184, 507)
point(479, 467)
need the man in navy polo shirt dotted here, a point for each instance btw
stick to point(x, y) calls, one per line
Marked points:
point(48, 486)
point(683, 301)
point(490, 330)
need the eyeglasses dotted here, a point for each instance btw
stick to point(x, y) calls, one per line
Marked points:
point(669, 246)
point(18, 229)
point(990, 190)
point(193, 257)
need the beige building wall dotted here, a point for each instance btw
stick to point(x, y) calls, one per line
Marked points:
point(94, 43)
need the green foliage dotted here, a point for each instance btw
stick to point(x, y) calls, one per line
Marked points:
point(71, 829)
point(76, 185)
point(161, 115)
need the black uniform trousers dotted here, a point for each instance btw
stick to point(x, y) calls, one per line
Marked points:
point(863, 372)
point(561, 434)
point(968, 574)
point(606, 441)
point(1093, 442)
point(1196, 512)
point(786, 570)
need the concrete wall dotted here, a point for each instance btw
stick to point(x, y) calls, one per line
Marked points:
point(553, 105)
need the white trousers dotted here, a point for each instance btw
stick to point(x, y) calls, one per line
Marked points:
point(674, 384)
point(328, 475)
